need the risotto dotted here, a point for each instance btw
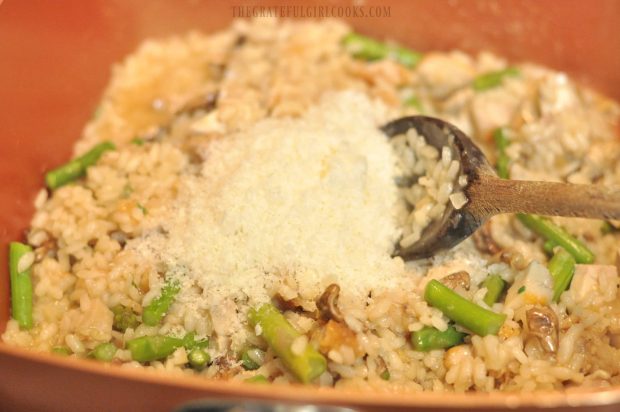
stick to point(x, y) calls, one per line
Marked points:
point(233, 209)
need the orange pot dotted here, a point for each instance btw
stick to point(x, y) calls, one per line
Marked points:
point(55, 61)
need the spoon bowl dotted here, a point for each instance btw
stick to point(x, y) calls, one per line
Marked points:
point(488, 195)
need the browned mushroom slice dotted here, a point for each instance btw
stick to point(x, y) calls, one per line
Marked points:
point(382, 370)
point(514, 258)
point(47, 248)
point(227, 366)
point(483, 240)
point(457, 279)
point(328, 303)
point(542, 323)
point(294, 304)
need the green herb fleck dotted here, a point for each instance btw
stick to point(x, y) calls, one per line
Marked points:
point(97, 112)
point(143, 209)
point(247, 362)
point(257, 379)
point(61, 350)
point(414, 102)
point(521, 290)
point(606, 228)
point(127, 191)
point(385, 375)
point(138, 141)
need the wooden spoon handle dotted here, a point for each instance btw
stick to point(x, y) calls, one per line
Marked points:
point(490, 195)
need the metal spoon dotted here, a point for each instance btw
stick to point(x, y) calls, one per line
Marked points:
point(488, 195)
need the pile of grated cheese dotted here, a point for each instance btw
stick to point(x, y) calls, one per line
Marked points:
point(311, 199)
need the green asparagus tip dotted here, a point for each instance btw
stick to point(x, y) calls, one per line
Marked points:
point(124, 318)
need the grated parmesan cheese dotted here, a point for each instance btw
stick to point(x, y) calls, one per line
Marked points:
point(313, 198)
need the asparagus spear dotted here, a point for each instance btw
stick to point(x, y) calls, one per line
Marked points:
point(257, 379)
point(562, 269)
point(104, 352)
point(366, 48)
point(124, 318)
point(61, 350)
point(155, 311)
point(548, 246)
point(150, 348)
point(248, 358)
point(76, 168)
point(279, 335)
point(503, 161)
point(493, 79)
point(495, 286)
point(551, 231)
point(21, 285)
point(465, 313)
point(554, 234)
point(429, 338)
point(190, 342)
point(198, 358)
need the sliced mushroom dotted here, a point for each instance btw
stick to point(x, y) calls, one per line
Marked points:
point(328, 303)
point(483, 240)
point(382, 369)
point(457, 279)
point(120, 236)
point(227, 366)
point(202, 103)
point(542, 323)
point(614, 340)
point(47, 249)
point(205, 102)
point(515, 259)
point(293, 304)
